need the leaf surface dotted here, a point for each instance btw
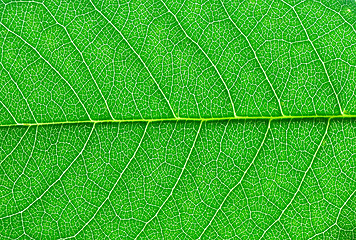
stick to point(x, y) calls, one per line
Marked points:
point(178, 120)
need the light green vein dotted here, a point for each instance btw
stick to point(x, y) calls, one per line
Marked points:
point(185, 119)
point(117, 181)
point(58, 179)
point(239, 182)
point(176, 183)
point(301, 182)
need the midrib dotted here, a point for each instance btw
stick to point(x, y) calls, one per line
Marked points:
point(182, 119)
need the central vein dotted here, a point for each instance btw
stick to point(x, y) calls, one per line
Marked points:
point(184, 119)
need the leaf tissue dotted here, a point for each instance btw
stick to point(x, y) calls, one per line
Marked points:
point(187, 119)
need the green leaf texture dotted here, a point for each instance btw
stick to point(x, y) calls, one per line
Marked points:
point(187, 119)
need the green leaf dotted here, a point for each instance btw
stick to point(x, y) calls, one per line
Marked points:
point(178, 119)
